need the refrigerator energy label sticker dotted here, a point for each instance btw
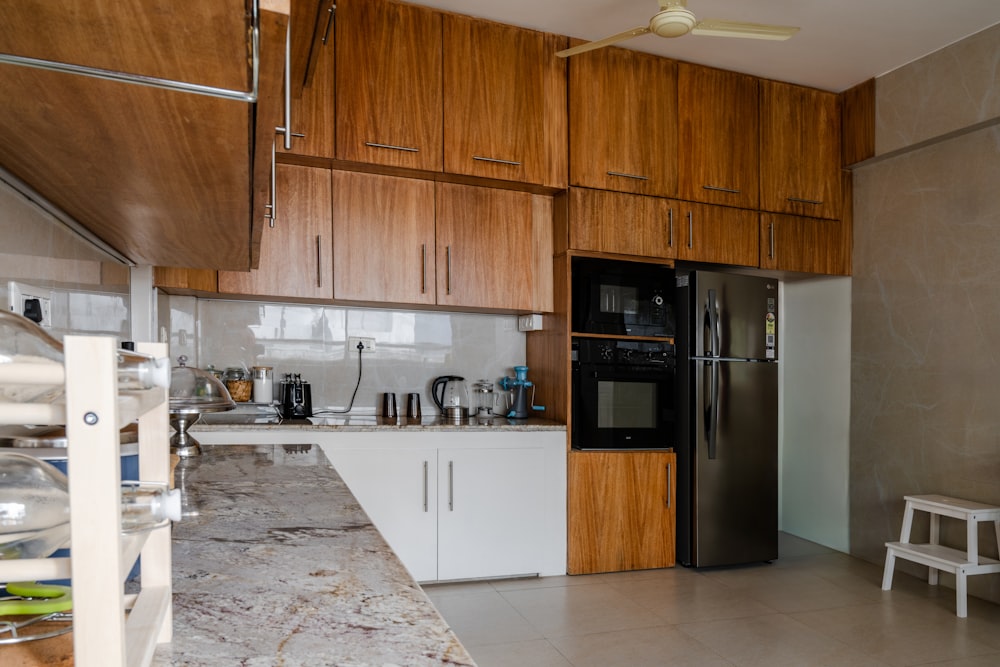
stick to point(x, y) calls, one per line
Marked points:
point(769, 329)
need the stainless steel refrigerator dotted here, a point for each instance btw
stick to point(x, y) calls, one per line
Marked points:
point(727, 394)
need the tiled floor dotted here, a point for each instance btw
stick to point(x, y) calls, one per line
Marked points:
point(812, 606)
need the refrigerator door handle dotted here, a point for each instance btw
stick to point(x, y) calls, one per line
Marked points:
point(712, 427)
point(713, 325)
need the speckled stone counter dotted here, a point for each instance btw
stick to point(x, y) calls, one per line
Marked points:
point(275, 563)
point(226, 421)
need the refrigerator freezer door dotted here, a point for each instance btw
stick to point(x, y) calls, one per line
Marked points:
point(735, 316)
point(735, 463)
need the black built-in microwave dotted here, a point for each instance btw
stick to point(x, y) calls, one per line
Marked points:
point(622, 298)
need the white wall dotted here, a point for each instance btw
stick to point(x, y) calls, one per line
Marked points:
point(815, 377)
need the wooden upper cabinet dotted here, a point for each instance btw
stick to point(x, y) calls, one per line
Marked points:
point(504, 102)
point(623, 224)
point(718, 136)
point(718, 234)
point(487, 245)
point(389, 84)
point(295, 254)
point(623, 122)
point(383, 238)
point(800, 151)
point(312, 71)
point(808, 245)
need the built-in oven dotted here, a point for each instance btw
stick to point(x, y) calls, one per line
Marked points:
point(622, 394)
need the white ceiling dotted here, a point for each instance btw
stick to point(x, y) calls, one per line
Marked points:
point(841, 42)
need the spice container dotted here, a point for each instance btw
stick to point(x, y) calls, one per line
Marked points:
point(263, 384)
point(239, 385)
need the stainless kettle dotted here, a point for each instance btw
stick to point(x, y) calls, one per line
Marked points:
point(451, 396)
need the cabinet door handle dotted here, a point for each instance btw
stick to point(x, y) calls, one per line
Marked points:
point(451, 486)
point(319, 261)
point(638, 177)
point(373, 144)
point(329, 22)
point(670, 488)
point(272, 208)
point(496, 160)
point(770, 234)
point(717, 188)
point(425, 486)
point(670, 227)
point(423, 268)
point(799, 200)
point(447, 253)
point(690, 217)
point(286, 129)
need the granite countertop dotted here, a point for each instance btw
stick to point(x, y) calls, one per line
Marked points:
point(275, 563)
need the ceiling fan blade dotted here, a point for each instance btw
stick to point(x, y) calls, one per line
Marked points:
point(717, 28)
point(590, 46)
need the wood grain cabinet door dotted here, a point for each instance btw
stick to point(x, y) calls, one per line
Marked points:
point(504, 102)
point(295, 254)
point(621, 513)
point(718, 234)
point(800, 151)
point(383, 238)
point(718, 136)
point(809, 245)
point(312, 66)
point(484, 248)
point(624, 224)
point(389, 84)
point(623, 122)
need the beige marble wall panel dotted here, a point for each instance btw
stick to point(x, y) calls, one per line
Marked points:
point(925, 408)
point(944, 92)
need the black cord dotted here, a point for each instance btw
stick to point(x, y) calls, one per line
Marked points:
point(351, 405)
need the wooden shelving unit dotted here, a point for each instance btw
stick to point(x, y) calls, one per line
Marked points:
point(109, 627)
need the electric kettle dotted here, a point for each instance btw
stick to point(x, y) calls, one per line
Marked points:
point(451, 396)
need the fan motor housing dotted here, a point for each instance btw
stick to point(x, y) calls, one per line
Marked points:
point(672, 22)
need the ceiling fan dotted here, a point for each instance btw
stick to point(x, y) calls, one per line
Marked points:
point(675, 20)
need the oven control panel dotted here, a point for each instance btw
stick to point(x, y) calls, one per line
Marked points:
point(623, 352)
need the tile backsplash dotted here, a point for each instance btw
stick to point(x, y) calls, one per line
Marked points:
point(411, 347)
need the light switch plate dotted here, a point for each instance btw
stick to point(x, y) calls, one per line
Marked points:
point(18, 293)
point(529, 322)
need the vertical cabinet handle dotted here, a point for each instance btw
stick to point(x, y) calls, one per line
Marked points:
point(286, 129)
point(670, 227)
point(425, 486)
point(770, 234)
point(272, 208)
point(447, 252)
point(423, 268)
point(451, 486)
point(319, 261)
point(690, 217)
point(329, 23)
point(670, 489)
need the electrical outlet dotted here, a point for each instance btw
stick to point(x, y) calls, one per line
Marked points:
point(19, 293)
point(529, 322)
point(368, 343)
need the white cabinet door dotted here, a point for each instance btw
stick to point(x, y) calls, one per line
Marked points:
point(398, 490)
point(490, 511)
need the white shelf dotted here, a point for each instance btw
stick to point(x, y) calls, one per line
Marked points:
point(94, 412)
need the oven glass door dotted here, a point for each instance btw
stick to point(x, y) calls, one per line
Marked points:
point(618, 407)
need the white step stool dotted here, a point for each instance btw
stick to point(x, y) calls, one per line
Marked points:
point(937, 557)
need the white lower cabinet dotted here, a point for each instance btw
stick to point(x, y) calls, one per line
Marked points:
point(462, 507)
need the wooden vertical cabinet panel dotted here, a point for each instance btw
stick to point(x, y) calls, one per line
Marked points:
point(718, 136)
point(809, 245)
point(718, 234)
point(389, 84)
point(621, 513)
point(312, 64)
point(623, 122)
point(383, 238)
point(295, 254)
point(484, 248)
point(800, 151)
point(624, 224)
point(504, 102)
